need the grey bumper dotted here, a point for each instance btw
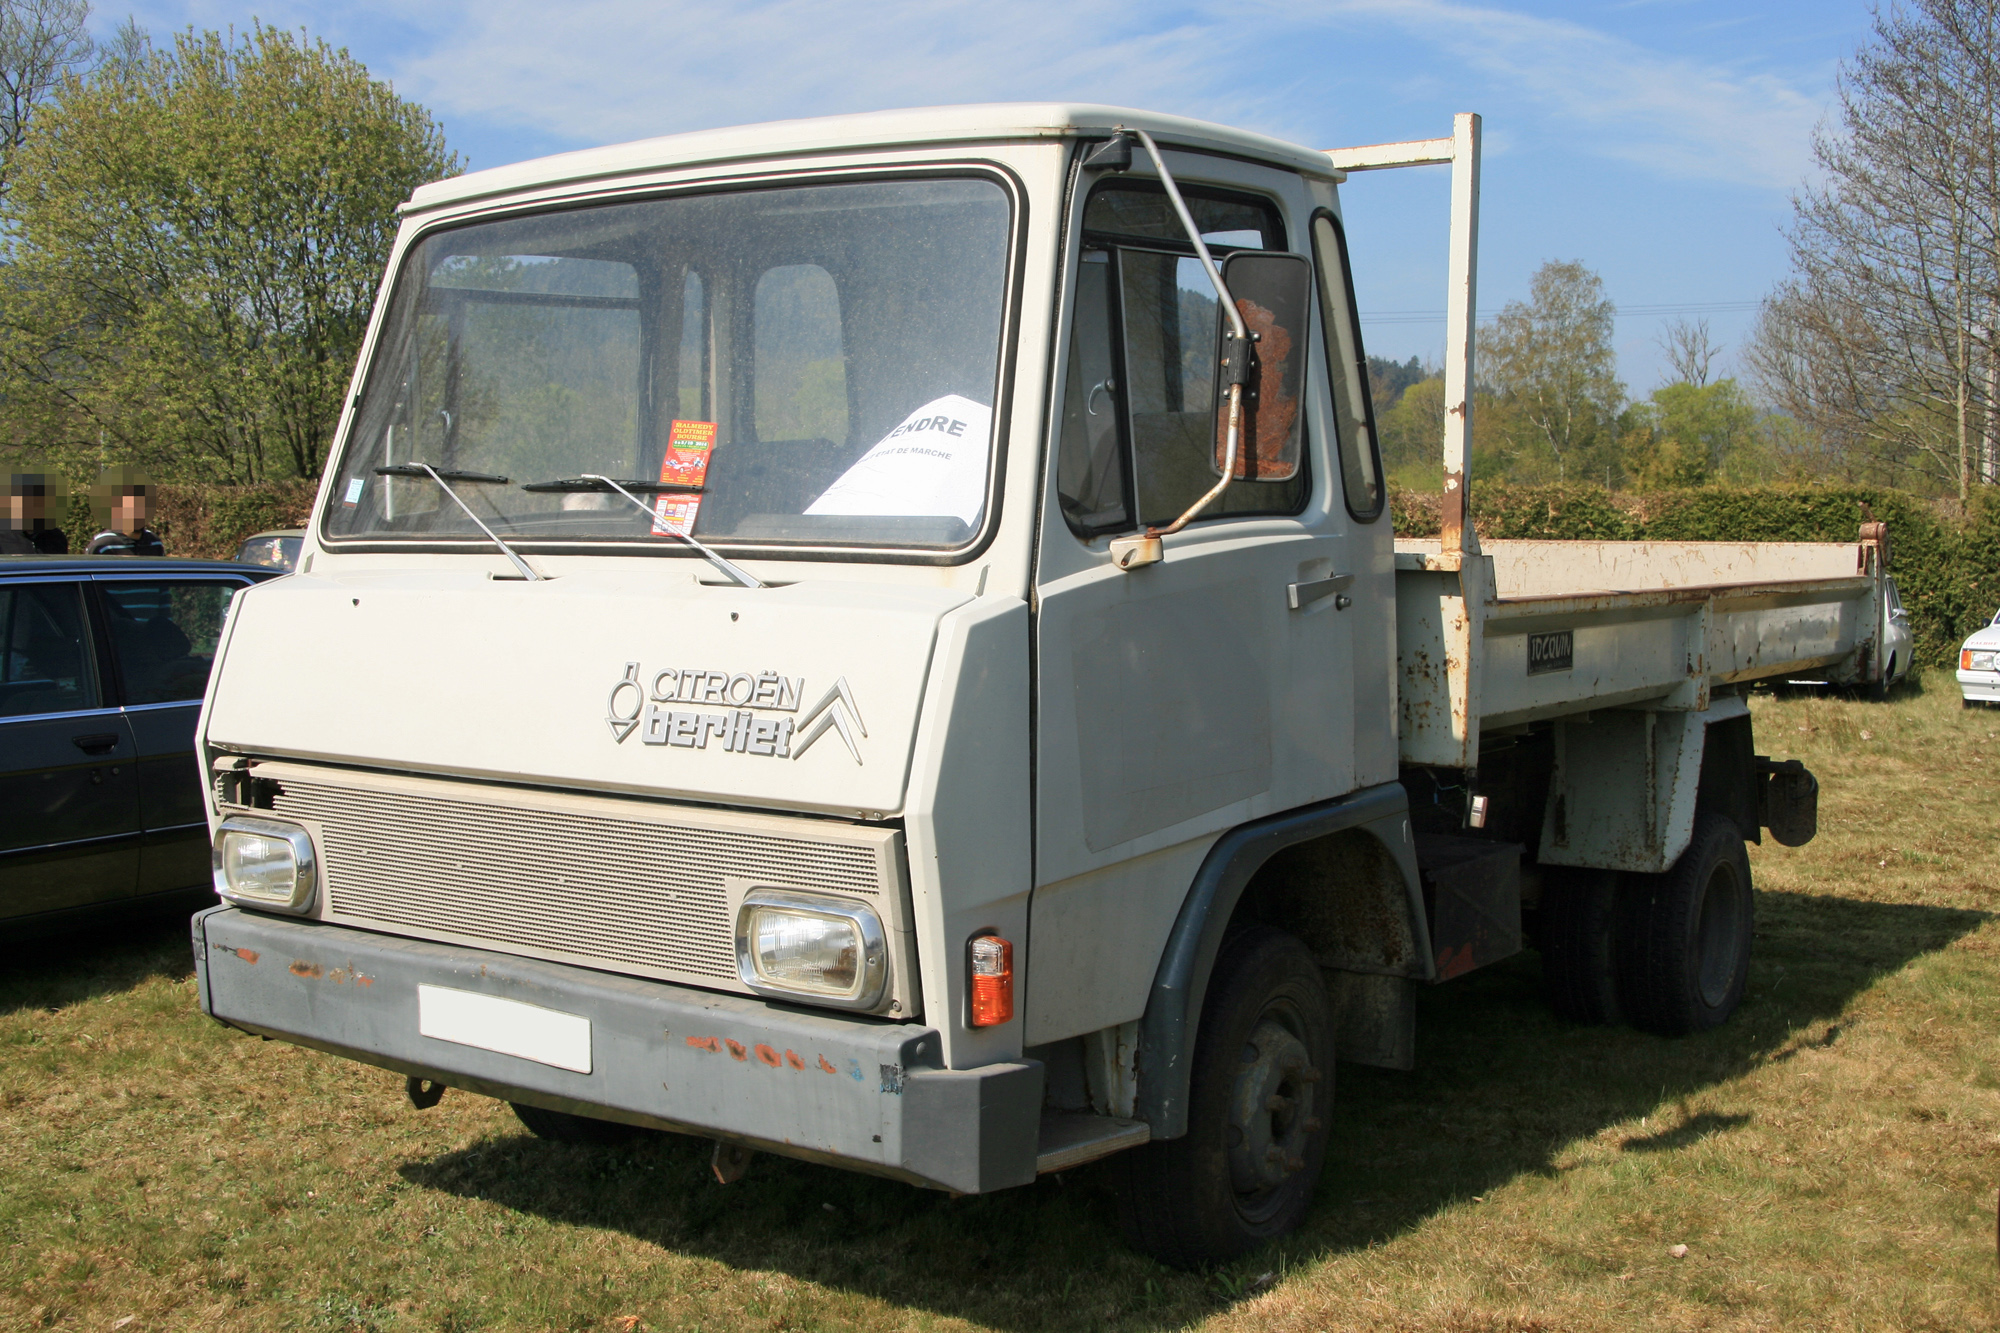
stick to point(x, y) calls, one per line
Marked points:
point(854, 1092)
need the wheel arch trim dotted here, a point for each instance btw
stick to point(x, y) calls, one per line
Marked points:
point(1180, 985)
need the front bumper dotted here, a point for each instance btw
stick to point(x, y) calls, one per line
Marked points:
point(855, 1092)
point(1980, 685)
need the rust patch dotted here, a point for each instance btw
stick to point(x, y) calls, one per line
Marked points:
point(737, 1051)
point(301, 968)
point(249, 956)
point(795, 1060)
point(826, 1068)
point(1451, 515)
point(360, 980)
point(338, 976)
point(709, 1044)
point(1455, 962)
point(768, 1056)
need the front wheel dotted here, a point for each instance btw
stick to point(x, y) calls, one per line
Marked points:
point(1258, 1098)
point(1684, 940)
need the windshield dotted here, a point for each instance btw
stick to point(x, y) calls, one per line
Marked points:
point(806, 366)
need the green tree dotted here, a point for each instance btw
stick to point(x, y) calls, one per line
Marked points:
point(197, 235)
point(1551, 362)
point(40, 41)
point(1690, 435)
point(1886, 338)
point(1412, 435)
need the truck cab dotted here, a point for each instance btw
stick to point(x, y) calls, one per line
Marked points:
point(793, 647)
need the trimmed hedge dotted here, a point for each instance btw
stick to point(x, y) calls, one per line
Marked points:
point(206, 521)
point(1947, 565)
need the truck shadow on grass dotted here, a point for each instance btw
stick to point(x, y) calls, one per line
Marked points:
point(1501, 1087)
point(89, 962)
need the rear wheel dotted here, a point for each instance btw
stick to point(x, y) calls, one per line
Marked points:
point(563, 1127)
point(1579, 961)
point(1258, 1098)
point(1684, 937)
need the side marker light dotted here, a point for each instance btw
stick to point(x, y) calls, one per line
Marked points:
point(992, 981)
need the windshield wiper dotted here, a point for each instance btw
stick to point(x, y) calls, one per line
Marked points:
point(438, 474)
point(602, 486)
point(741, 576)
point(426, 470)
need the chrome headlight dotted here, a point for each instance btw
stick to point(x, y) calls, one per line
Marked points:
point(1974, 659)
point(264, 863)
point(801, 946)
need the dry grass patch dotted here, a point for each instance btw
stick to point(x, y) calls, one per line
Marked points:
point(1828, 1160)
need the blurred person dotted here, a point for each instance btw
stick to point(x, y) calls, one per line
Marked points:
point(33, 506)
point(126, 500)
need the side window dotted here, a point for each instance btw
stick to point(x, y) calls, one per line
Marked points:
point(1091, 479)
point(801, 377)
point(1172, 323)
point(45, 656)
point(1346, 366)
point(164, 636)
point(1140, 405)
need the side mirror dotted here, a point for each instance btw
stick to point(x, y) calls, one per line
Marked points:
point(1273, 293)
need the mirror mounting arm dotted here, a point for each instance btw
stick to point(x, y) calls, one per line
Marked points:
point(1145, 549)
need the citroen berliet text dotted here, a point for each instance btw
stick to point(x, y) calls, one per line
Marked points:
point(879, 640)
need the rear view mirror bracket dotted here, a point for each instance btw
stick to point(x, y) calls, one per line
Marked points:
point(1145, 548)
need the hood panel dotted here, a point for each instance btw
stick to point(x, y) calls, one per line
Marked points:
point(1984, 639)
point(806, 699)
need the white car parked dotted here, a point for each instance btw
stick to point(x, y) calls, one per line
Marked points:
point(1897, 641)
point(1979, 665)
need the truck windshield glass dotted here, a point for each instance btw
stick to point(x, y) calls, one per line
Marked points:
point(807, 366)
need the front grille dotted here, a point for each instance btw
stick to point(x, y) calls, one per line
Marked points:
point(629, 889)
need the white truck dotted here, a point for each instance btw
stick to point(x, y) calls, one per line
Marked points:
point(879, 640)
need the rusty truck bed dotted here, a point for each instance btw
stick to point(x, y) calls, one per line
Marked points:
point(1528, 630)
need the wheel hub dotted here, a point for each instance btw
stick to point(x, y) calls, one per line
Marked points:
point(1272, 1112)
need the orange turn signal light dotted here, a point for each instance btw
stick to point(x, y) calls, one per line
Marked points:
point(992, 981)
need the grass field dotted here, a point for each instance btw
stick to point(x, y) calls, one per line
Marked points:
point(1829, 1159)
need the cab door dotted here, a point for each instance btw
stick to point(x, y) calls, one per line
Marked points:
point(1177, 700)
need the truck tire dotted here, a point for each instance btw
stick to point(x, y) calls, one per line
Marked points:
point(1258, 1097)
point(1579, 944)
point(563, 1127)
point(1684, 937)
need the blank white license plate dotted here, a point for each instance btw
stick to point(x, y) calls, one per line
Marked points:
point(546, 1036)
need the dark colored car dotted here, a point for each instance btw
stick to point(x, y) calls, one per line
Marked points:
point(102, 667)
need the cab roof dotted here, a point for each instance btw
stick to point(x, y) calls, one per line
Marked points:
point(990, 122)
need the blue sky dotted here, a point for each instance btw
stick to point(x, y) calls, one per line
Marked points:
point(1658, 141)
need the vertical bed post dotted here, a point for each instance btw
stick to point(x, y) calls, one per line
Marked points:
point(1461, 319)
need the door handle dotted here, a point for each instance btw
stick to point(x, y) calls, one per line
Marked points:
point(101, 742)
point(1299, 596)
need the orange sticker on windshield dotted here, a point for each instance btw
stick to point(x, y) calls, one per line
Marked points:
point(688, 446)
point(685, 463)
point(675, 514)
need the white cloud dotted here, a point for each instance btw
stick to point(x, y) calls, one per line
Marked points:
point(606, 70)
point(1687, 118)
point(614, 69)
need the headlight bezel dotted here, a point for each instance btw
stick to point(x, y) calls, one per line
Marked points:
point(870, 992)
point(1969, 659)
point(304, 891)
